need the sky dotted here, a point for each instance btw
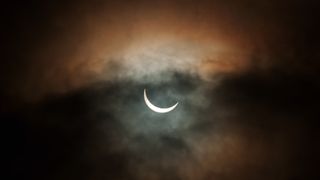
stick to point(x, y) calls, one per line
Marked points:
point(245, 74)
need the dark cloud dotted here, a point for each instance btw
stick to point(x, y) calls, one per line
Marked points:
point(252, 127)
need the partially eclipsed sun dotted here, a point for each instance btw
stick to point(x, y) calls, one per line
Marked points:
point(155, 108)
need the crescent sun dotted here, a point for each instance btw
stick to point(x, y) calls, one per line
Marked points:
point(155, 108)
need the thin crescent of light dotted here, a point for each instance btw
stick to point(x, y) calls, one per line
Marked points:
point(155, 108)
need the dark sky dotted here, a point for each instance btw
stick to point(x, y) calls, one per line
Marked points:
point(245, 74)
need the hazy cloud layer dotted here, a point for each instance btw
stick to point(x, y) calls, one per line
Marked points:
point(54, 47)
point(249, 127)
point(245, 74)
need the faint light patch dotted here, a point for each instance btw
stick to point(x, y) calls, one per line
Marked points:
point(143, 59)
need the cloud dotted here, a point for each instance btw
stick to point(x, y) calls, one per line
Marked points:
point(244, 74)
point(238, 128)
